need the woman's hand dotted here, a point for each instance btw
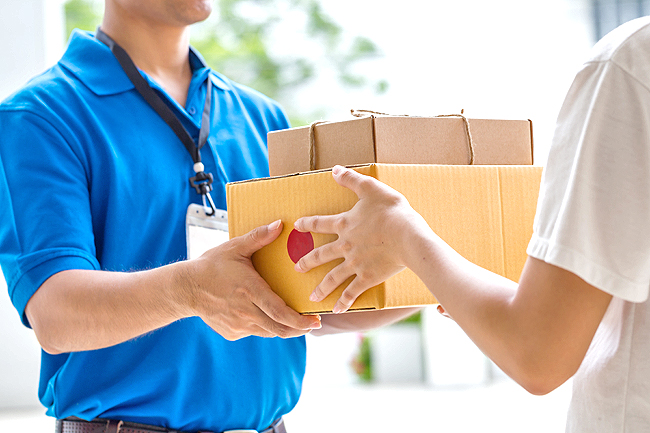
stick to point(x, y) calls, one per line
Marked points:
point(372, 238)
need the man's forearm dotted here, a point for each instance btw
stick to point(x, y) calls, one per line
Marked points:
point(79, 310)
point(83, 310)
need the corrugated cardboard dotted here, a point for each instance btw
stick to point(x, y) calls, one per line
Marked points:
point(401, 140)
point(484, 212)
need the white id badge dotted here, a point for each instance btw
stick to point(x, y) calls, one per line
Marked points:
point(203, 231)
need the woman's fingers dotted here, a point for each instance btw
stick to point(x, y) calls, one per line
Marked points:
point(361, 242)
point(331, 282)
point(321, 255)
point(350, 294)
point(317, 224)
point(358, 183)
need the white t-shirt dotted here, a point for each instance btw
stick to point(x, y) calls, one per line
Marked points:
point(593, 219)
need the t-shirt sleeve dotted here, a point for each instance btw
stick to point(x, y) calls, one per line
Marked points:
point(44, 206)
point(594, 207)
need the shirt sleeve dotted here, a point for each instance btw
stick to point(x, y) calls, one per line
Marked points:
point(594, 205)
point(44, 206)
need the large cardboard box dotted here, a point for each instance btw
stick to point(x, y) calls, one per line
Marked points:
point(401, 140)
point(484, 212)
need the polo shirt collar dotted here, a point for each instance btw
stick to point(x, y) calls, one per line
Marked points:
point(94, 64)
point(199, 67)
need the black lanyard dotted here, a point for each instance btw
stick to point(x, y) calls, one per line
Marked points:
point(202, 181)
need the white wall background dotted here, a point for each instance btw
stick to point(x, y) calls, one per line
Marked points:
point(31, 39)
point(496, 59)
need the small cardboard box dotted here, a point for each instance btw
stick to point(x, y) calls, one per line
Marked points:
point(401, 140)
point(483, 212)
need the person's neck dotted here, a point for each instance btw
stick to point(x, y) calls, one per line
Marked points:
point(159, 50)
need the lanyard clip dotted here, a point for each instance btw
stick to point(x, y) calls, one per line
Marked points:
point(202, 183)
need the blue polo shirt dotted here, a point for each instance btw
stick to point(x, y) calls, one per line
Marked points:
point(92, 178)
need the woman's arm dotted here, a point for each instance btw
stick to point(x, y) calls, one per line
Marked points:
point(538, 332)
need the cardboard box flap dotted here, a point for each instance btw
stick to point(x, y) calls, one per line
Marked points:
point(421, 140)
point(462, 205)
point(348, 142)
point(289, 152)
point(519, 189)
point(406, 289)
point(498, 141)
point(444, 140)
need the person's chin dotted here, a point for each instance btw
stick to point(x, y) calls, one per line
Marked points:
point(201, 10)
point(188, 12)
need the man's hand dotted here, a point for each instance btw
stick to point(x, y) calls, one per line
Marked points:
point(78, 310)
point(232, 298)
point(370, 238)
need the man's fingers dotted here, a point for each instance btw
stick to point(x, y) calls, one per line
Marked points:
point(277, 310)
point(349, 295)
point(261, 332)
point(319, 256)
point(332, 280)
point(259, 237)
point(270, 328)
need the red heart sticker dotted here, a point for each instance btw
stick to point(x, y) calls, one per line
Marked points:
point(299, 244)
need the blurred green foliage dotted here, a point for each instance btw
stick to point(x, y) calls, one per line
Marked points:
point(362, 361)
point(236, 40)
point(82, 14)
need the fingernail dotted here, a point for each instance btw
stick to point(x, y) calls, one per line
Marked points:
point(337, 309)
point(337, 169)
point(274, 225)
point(315, 326)
point(313, 297)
